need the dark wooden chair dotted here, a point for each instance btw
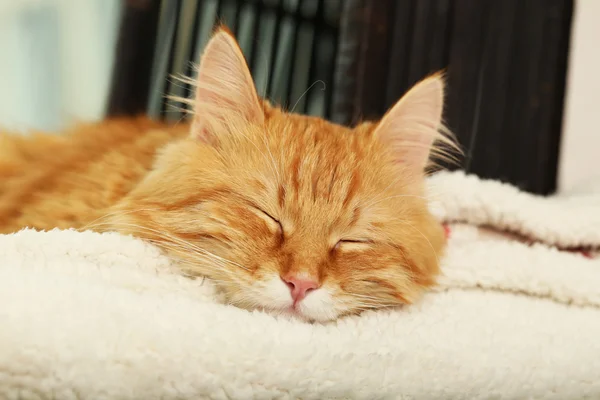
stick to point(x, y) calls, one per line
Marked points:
point(505, 62)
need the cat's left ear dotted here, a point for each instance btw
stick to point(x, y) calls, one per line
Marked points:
point(412, 125)
point(225, 90)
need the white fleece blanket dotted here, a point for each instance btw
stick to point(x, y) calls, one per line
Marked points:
point(103, 316)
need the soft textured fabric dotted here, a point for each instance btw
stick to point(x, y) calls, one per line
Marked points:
point(104, 316)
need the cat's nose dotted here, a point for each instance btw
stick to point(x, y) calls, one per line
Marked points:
point(299, 286)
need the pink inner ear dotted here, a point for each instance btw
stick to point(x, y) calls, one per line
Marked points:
point(225, 89)
point(413, 144)
point(411, 127)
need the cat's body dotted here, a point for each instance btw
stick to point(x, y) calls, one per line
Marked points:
point(287, 213)
point(67, 181)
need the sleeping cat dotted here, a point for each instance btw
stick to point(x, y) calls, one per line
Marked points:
point(286, 213)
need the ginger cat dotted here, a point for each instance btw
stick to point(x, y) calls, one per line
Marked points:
point(286, 213)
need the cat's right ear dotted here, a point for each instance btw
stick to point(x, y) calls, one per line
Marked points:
point(225, 91)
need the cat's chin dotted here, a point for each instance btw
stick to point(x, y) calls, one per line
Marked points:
point(293, 314)
point(296, 313)
point(302, 313)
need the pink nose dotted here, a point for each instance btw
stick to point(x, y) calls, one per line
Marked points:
point(299, 287)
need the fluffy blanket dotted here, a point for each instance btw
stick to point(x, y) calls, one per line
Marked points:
point(103, 316)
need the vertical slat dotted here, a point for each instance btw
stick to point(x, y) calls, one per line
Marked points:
point(192, 60)
point(363, 60)
point(332, 20)
point(263, 46)
point(283, 53)
point(164, 46)
point(430, 38)
point(248, 25)
point(273, 55)
point(420, 42)
point(323, 58)
point(303, 56)
point(238, 12)
point(517, 133)
point(182, 53)
point(299, 83)
point(219, 10)
point(294, 22)
point(133, 59)
point(171, 55)
point(312, 91)
point(204, 17)
point(465, 75)
point(543, 62)
point(256, 54)
point(402, 33)
point(228, 13)
point(488, 121)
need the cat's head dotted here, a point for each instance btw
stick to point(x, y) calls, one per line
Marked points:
point(289, 213)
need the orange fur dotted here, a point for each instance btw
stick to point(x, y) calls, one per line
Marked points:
point(249, 192)
point(67, 181)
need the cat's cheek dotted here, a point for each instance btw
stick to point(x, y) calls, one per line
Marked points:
point(273, 293)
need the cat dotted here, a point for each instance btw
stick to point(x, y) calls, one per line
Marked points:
point(286, 213)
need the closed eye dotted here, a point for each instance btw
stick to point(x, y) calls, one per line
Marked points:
point(273, 219)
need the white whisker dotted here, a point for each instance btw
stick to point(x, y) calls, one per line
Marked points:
point(306, 91)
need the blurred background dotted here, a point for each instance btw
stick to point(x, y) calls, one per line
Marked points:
point(57, 59)
point(522, 74)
